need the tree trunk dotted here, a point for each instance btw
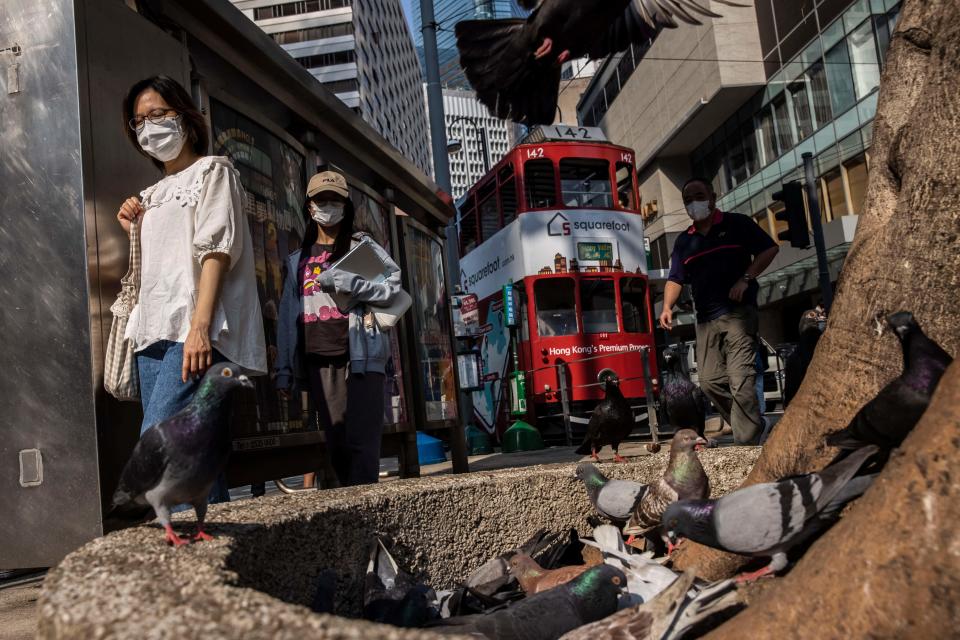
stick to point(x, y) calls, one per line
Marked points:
point(905, 255)
point(891, 567)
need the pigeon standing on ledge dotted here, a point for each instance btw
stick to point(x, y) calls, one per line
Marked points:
point(514, 65)
point(683, 401)
point(887, 419)
point(771, 518)
point(610, 423)
point(178, 460)
point(683, 479)
point(613, 499)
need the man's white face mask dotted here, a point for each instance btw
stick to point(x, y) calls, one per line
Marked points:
point(699, 210)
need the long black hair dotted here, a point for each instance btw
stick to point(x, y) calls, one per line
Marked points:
point(344, 236)
point(173, 93)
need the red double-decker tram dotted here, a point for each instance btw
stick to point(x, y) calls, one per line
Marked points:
point(558, 219)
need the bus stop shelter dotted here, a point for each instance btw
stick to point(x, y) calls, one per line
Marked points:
point(65, 167)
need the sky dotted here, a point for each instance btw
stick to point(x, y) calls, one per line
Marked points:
point(408, 10)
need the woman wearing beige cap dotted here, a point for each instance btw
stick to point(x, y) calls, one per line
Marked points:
point(340, 354)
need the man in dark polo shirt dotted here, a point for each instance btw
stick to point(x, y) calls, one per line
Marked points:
point(720, 256)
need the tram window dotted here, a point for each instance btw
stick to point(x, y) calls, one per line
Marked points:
point(489, 214)
point(625, 188)
point(598, 299)
point(585, 183)
point(556, 307)
point(508, 195)
point(468, 230)
point(541, 188)
point(633, 297)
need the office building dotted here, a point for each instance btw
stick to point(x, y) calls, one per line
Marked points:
point(738, 100)
point(362, 52)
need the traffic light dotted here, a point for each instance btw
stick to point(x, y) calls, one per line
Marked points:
point(794, 214)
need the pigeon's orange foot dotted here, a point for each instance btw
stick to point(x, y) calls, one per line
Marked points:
point(202, 536)
point(172, 538)
point(631, 540)
point(747, 578)
point(618, 458)
point(673, 547)
point(563, 57)
point(544, 49)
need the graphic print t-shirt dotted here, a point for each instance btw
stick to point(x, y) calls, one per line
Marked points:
point(324, 327)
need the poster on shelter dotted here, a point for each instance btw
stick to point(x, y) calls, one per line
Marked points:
point(272, 174)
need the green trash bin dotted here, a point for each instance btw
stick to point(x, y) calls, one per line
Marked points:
point(522, 436)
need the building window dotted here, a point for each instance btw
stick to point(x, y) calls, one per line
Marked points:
point(328, 59)
point(313, 33)
point(297, 8)
point(540, 184)
point(817, 79)
point(342, 86)
point(835, 193)
point(840, 79)
point(598, 300)
point(556, 306)
point(863, 55)
point(856, 170)
point(585, 183)
point(633, 300)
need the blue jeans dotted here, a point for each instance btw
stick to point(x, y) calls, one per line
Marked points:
point(164, 394)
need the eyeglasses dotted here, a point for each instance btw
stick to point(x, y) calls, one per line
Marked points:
point(156, 117)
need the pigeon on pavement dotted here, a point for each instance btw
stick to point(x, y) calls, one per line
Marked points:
point(392, 596)
point(533, 578)
point(769, 519)
point(645, 576)
point(683, 479)
point(611, 422)
point(683, 401)
point(178, 460)
point(887, 419)
point(547, 615)
point(613, 499)
point(514, 65)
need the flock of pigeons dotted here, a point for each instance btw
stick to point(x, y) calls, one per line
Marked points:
point(561, 585)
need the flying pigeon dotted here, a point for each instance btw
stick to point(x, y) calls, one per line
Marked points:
point(533, 578)
point(547, 615)
point(683, 401)
point(645, 576)
point(614, 499)
point(795, 367)
point(683, 479)
point(514, 65)
point(392, 596)
point(178, 460)
point(769, 519)
point(887, 419)
point(610, 423)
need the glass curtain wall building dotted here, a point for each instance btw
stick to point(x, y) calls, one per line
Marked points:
point(822, 100)
point(448, 13)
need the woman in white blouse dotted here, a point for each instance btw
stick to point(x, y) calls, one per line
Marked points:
point(198, 296)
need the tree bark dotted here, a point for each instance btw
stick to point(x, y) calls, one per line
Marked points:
point(904, 256)
point(891, 567)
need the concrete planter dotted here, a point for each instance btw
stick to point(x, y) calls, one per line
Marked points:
point(255, 578)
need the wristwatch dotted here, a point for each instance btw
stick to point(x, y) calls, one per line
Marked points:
point(747, 278)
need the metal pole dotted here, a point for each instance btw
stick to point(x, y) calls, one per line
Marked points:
point(652, 418)
point(441, 169)
point(482, 134)
point(826, 288)
point(565, 402)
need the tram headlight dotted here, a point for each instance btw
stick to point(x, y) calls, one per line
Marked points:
point(607, 374)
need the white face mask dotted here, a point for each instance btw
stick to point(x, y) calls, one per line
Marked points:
point(328, 215)
point(163, 140)
point(699, 210)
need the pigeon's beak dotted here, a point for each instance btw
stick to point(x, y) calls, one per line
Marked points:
point(700, 444)
point(245, 382)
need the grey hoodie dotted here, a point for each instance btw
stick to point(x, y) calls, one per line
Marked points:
point(369, 347)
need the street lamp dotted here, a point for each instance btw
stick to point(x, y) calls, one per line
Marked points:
point(455, 145)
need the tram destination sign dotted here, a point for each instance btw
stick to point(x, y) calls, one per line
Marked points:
point(595, 251)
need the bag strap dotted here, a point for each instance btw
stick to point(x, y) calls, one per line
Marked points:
point(133, 272)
